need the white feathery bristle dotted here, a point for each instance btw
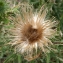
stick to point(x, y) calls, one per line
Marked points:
point(35, 20)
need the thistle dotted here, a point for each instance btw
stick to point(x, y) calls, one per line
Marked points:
point(32, 32)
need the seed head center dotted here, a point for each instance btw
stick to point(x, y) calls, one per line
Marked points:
point(33, 34)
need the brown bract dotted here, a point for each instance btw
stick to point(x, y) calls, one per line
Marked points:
point(31, 33)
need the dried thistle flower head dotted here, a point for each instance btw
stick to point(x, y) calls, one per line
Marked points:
point(32, 32)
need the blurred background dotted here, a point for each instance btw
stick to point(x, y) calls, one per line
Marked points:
point(9, 8)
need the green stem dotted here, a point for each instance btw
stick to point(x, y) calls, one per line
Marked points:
point(19, 58)
point(48, 58)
